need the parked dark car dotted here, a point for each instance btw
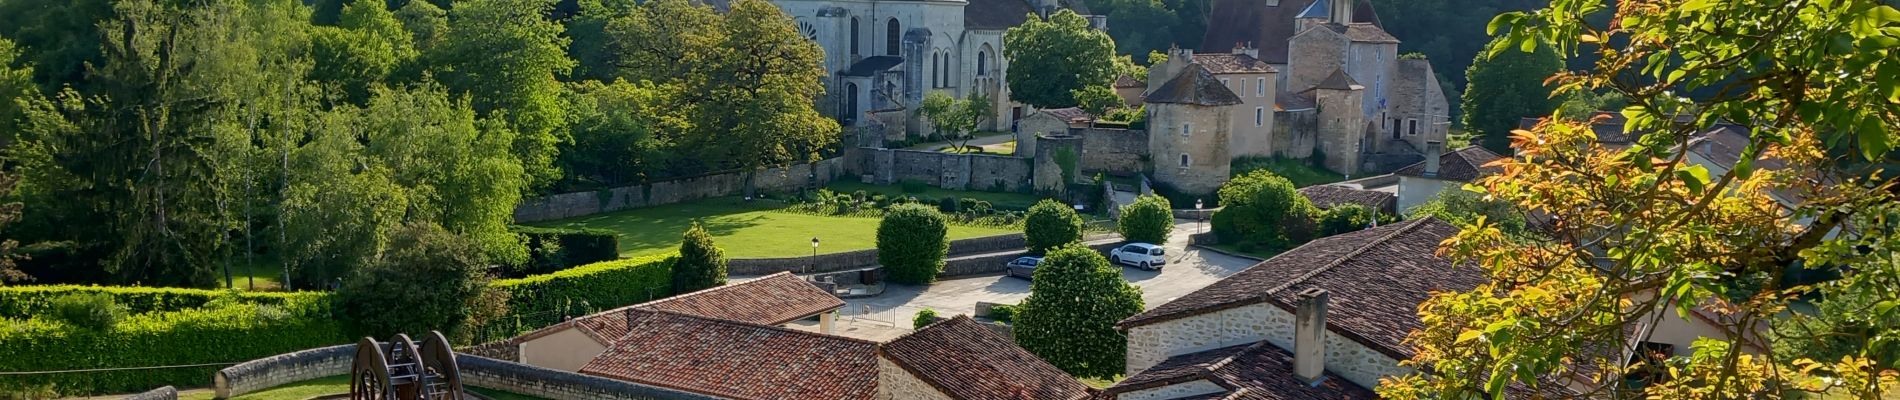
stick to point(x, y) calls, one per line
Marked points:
point(1024, 267)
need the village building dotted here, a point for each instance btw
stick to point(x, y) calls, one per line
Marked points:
point(775, 300)
point(1420, 183)
point(961, 359)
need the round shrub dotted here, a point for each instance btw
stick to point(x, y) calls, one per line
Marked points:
point(701, 264)
point(1069, 317)
point(911, 243)
point(1149, 219)
point(924, 318)
point(949, 205)
point(96, 311)
point(1049, 224)
point(1262, 209)
point(425, 281)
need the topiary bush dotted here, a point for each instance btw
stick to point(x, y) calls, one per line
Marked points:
point(1069, 317)
point(911, 244)
point(949, 205)
point(701, 264)
point(924, 318)
point(1263, 210)
point(95, 311)
point(1050, 223)
point(1149, 219)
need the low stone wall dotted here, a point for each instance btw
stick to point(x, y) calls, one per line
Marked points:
point(557, 385)
point(569, 205)
point(944, 170)
point(1112, 150)
point(994, 263)
point(282, 369)
point(163, 393)
point(1203, 239)
point(1192, 214)
point(859, 259)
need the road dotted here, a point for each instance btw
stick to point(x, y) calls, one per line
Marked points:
point(888, 315)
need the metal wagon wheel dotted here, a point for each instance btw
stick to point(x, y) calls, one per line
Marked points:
point(439, 359)
point(369, 374)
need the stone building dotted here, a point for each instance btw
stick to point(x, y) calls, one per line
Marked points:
point(884, 55)
point(960, 359)
point(1422, 182)
point(1190, 123)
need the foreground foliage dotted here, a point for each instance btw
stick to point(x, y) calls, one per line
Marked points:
point(1640, 232)
point(1069, 317)
point(911, 243)
point(701, 265)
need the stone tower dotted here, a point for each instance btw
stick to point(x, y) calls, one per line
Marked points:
point(1342, 121)
point(1189, 129)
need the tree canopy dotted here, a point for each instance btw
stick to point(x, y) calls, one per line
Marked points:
point(1069, 317)
point(1050, 59)
point(1507, 86)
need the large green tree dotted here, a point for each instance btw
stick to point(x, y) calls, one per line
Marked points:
point(1149, 219)
point(1641, 231)
point(426, 281)
point(1050, 59)
point(508, 57)
point(1262, 209)
point(1507, 86)
point(1069, 317)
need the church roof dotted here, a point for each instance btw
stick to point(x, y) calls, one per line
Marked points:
point(1194, 85)
point(1265, 26)
point(872, 65)
point(996, 14)
point(1338, 81)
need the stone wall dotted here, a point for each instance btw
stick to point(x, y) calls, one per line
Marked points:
point(1175, 391)
point(895, 383)
point(163, 393)
point(569, 205)
point(944, 170)
point(557, 385)
point(1151, 344)
point(858, 259)
point(1112, 150)
point(1295, 132)
point(273, 371)
point(1047, 171)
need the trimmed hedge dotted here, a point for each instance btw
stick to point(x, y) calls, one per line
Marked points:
point(576, 246)
point(233, 328)
point(543, 300)
point(21, 302)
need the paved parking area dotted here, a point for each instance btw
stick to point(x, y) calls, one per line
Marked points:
point(888, 315)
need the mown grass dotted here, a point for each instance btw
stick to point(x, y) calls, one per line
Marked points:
point(742, 229)
point(998, 200)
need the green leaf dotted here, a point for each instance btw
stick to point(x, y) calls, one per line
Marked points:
point(1697, 5)
point(1880, 308)
point(1695, 176)
point(1873, 139)
point(1469, 335)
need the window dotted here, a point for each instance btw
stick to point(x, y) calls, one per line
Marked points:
point(854, 36)
point(936, 66)
point(1260, 87)
point(1411, 126)
point(851, 102)
point(1259, 116)
point(1184, 160)
point(891, 31)
point(982, 63)
point(1186, 128)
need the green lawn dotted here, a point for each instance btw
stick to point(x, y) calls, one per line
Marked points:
point(1300, 172)
point(324, 386)
point(743, 230)
point(999, 200)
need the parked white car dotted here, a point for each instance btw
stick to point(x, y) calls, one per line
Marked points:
point(1139, 255)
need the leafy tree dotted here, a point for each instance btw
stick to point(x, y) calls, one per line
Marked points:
point(1262, 209)
point(457, 169)
point(1050, 59)
point(363, 50)
point(923, 318)
point(1149, 219)
point(1069, 317)
point(620, 133)
point(1098, 100)
point(59, 38)
point(1345, 218)
point(1643, 231)
point(701, 265)
point(426, 281)
point(508, 57)
point(1141, 26)
point(427, 24)
point(1507, 86)
point(9, 212)
point(941, 109)
point(1448, 32)
point(957, 119)
point(1049, 224)
point(911, 243)
point(592, 49)
point(1465, 208)
point(1582, 105)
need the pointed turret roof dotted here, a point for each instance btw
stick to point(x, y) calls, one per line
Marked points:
point(1194, 85)
point(1339, 81)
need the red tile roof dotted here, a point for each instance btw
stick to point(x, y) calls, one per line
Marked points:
point(1329, 196)
point(1464, 165)
point(1259, 371)
point(772, 300)
point(967, 361)
point(737, 360)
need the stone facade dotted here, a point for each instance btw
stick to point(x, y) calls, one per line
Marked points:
point(1175, 391)
point(1416, 118)
point(1189, 145)
point(893, 382)
point(945, 170)
point(576, 204)
point(1047, 173)
point(1151, 344)
point(1295, 132)
point(1114, 151)
point(1341, 130)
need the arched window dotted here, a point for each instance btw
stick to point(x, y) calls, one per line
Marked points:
point(943, 70)
point(891, 31)
point(982, 63)
point(851, 102)
point(936, 64)
point(854, 36)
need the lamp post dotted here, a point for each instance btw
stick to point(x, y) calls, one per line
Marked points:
point(814, 253)
point(1198, 217)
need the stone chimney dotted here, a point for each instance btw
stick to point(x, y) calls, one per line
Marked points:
point(1342, 11)
point(1178, 59)
point(1433, 151)
point(1309, 335)
point(1248, 49)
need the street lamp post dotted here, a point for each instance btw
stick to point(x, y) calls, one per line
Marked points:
point(814, 253)
point(1199, 218)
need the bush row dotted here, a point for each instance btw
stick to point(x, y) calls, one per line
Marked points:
point(553, 249)
point(21, 302)
point(543, 300)
point(228, 328)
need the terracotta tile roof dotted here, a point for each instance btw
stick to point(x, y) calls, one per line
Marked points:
point(996, 14)
point(1249, 371)
point(1377, 278)
point(1464, 165)
point(1229, 63)
point(1363, 32)
point(1194, 85)
point(1267, 27)
point(737, 360)
point(775, 299)
point(1071, 114)
point(1328, 196)
point(967, 361)
point(1338, 81)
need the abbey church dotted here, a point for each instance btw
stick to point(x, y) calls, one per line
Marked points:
point(1326, 82)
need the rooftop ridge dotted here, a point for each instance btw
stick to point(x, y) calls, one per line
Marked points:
point(711, 289)
point(1342, 259)
point(752, 325)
